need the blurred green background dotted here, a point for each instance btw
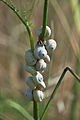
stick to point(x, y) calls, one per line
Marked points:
point(64, 20)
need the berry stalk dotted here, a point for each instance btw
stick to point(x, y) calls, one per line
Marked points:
point(36, 114)
point(57, 86)
point(13, 8)
point(45, 19)
point(36, 110)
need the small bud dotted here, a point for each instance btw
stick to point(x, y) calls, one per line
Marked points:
point(30, 83)
point(38, 95)
point(30, 69)
point(29, 58)
point(40, 52)
point(51, 45)
point(41, 65)
point(38, 80)
point(47, 59)
point(48, 31)
point(28, 94)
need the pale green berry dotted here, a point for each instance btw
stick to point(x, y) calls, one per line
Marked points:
point(38, 80)
point(30, 83)
point(38, 95)
point(51, 45)
point(29, 58)
point(47, 59)
point(30, 69)
point(48, 31)
point(28, 94)
point(40, 52)
point(41, 65)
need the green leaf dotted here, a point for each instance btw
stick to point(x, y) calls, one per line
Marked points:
point(20, 109)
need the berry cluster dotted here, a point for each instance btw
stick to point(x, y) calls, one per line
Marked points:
point(36, 63)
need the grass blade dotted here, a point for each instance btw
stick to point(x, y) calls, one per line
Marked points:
point(20, 109)
point(57, 86)
point(36, 110)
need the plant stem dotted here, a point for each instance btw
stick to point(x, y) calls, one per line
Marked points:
point(74, 101)
point(44, 19)
point(35, 104)
point(26, 24)
point(57, 86)
point(35, 110)
point(35, 107)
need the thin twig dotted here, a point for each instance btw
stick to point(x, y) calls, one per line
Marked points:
point(36, 110)
point(45, 19)
point(57, 86)
point(26, 24)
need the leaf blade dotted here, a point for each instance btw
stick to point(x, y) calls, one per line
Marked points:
point(20, 109)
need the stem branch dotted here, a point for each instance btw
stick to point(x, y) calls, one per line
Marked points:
point(45, 19)
point(58, 84)
point(26, 24)
point(35, 110)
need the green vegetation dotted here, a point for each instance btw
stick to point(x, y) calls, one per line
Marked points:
point(20, 109)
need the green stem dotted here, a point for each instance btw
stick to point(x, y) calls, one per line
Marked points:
point(57, 86)
point(35, 110)
point(35, 107)
point(26, 24)
point(45, 19)
point(35, 104)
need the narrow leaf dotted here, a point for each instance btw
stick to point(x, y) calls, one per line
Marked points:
point(57, 86)
point(20, 109)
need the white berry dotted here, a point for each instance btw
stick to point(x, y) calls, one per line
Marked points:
point(30, 83)
point(40, 52)
point(48, 31)
point(38, 95)
point(51, 45)
point(38, 80)
point(29, 58)
point(30, 69)
point(28, 94)
point(41, 65)
point(47, 59)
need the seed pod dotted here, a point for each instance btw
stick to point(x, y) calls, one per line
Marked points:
point(29, 58)
point(47, 59)
point(30, 83)
point(30, 69)
point(40, 52)
point(28, 94)
point(38, 80)
point(48, 31)
point(41, 65)
point(38, 95)
point(51, 45)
